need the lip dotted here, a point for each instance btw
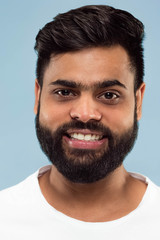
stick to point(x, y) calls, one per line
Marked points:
point(84, 131)
point(82, 144)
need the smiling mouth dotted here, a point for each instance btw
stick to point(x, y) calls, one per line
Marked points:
point(84, 137)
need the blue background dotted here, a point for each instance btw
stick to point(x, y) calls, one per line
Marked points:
point(20, 21)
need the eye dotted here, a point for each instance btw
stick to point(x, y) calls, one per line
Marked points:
point(64, 94)
point(109, 97)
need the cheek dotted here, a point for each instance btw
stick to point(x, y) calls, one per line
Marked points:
point(53, 115)
point(119, 120)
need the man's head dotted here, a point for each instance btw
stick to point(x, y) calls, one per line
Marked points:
point(89, 90)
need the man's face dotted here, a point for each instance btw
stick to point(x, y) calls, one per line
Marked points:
point(86, 112)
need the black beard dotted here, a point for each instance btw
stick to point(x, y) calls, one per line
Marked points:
point(86, 165)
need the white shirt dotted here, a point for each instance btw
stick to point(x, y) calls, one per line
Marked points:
point(26, 215)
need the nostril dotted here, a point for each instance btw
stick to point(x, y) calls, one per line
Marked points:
point(75, 115)
point(75, 118)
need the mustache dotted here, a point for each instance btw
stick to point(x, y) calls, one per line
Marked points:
point(90, 125)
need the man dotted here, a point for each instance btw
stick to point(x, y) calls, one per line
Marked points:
point(88, 100)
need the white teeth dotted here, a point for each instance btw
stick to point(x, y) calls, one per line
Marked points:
point(94, 137)
point(80, 136)
point(87, 137)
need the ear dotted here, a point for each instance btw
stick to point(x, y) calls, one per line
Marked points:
point(139, 98)
point(37, 91)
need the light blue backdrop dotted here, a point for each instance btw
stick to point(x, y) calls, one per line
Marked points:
point(20, 21)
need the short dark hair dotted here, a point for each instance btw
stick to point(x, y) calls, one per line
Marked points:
point(91, 26)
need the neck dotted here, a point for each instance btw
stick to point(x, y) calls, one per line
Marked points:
point(114, 182)
point(89, 201)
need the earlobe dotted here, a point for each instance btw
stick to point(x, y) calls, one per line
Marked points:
point(37, 91)
point(139, 98)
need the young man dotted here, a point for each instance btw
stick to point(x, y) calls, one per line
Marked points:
point(88, 100)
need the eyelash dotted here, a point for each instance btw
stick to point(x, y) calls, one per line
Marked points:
point(71, 94)
point(63, 90)
point(112, 97)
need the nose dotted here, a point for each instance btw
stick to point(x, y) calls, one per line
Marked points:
point(85, 109)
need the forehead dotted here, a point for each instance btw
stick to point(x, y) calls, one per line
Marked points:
point(90, 66)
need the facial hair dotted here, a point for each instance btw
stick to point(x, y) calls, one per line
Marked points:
point(86, 165)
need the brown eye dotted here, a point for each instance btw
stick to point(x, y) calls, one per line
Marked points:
point(64, 93)
point(110, 95)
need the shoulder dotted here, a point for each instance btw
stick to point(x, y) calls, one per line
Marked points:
point(149, 205)
point(25, 193)
point(153, 191)
point(18, 204)
point(19, 201)
point(19, 192)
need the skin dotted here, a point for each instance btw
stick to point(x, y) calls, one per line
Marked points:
point(117, 194)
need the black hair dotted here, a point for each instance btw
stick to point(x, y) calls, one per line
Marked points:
point(91, 26)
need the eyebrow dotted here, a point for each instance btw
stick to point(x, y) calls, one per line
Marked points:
point(110, 83)
point(103, 84)
point(66, 83)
